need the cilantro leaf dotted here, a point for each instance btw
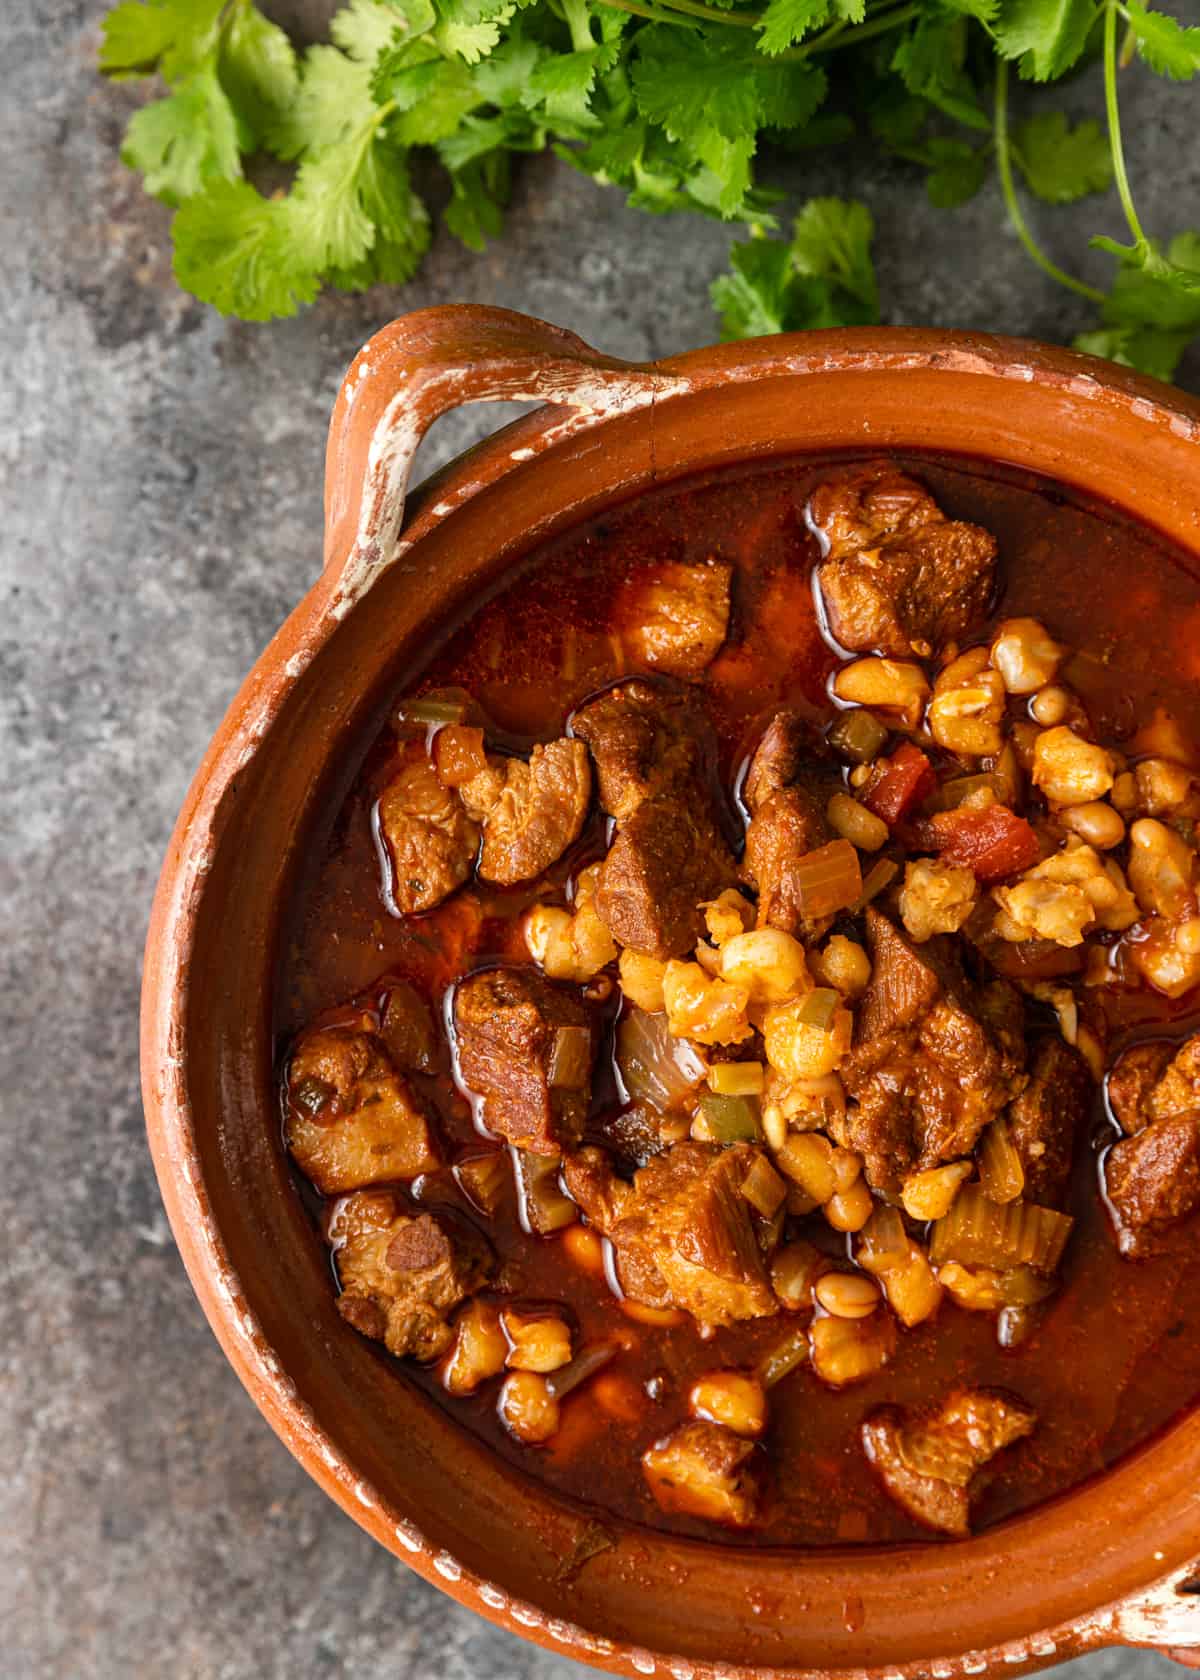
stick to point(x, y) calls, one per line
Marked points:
point(755, 298)
point(184, 141)
point(956, 171)
point(562, 84)
point(931, 61)
point(233, 250)
point(1152, 350)
point(1048, 36)
point(330, 224)
point(401, 222)
point(712, 92)
point(1167, 47)
point(363, 28)
point(257, 69)
point(475, 213)
point(831, 240)
point(787, 21)
point(470, 28)
point(823, 278)
point(171, 36)
point(333, 95)
point(1061, 163)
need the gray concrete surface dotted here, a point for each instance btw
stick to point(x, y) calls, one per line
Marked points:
point(161, 512)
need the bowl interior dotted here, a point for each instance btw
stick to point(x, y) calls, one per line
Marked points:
point(423, 1487)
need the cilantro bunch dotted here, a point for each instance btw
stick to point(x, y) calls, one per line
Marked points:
point(669, 101)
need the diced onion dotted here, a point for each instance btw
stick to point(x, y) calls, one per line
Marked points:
point(880, 874)
point(828, 880)
point(570, 1058)
point(883, 1243)
point(654, 1066)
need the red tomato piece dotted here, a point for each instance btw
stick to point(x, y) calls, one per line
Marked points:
point(993, 843)
point(898, 783)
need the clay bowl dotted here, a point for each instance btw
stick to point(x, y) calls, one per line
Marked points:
point(1109, 1563)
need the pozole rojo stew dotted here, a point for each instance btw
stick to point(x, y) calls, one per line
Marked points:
point(741, 1028)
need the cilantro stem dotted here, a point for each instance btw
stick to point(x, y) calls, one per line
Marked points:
point(838, 35)
point(1013, 204)
point(575, 13)
point(1112, 109)
point(696, 9)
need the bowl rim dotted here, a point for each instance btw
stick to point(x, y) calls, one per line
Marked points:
point(1150, 1614)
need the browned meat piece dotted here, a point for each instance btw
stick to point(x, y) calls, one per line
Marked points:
point(403, 1274)
point(430, 839)
point(683, 1232)
point(1153, 1180)
point(531, 812)
point(525, 1048)
point(352, 1120)
point(1046, 1118)
point(651, 749)
point(1179, 1087)
point(1132, 1082)
point(928, 1459)
point(935, 1056)
point(899, 577)
point(407, 1030)
point(704, 1470)
point(665, 861)
point(647, 741)
point(674, 617)
point(786, 791)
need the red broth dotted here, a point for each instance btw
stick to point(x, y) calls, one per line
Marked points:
point(1117, 1356)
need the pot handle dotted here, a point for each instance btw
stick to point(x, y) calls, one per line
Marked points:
point(418, 368)
point(1165, 1619)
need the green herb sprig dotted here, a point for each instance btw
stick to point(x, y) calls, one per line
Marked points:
point(669, 101)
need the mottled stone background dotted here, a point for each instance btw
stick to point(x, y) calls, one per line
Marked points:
point(161, 514)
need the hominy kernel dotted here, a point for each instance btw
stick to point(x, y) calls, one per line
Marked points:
point(847, 1296)
point(1097, 823)
point(850, 1210)
point(527, 1408)
point(731, 1398)
point(1025, 655)
point(855, 823)
point(1050, 706)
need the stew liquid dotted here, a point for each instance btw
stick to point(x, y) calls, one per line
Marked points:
point(1116, 1354)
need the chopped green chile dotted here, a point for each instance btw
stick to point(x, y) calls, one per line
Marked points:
point(448, 707)
point(585, 1364)
point(731, 1119)
point(654, 1066)
point(785, 1356)
point(858, 735)
point(979, 1232)
point(571, 1058)
point(819, 1008)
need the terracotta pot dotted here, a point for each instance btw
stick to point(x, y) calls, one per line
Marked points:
point(1110, 1562)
